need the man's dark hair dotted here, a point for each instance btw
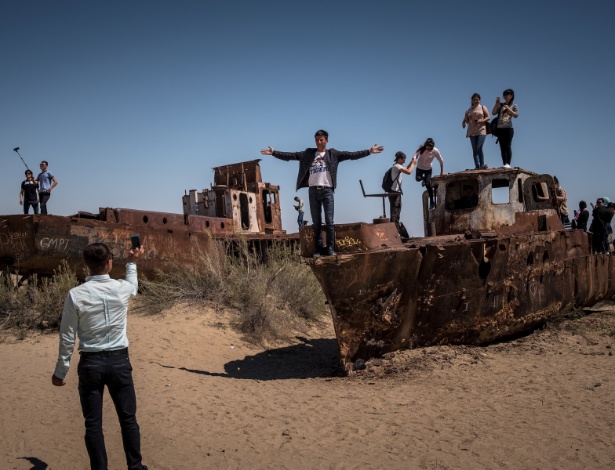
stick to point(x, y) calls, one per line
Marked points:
point(321, 133)
point(400, 155)
point(96, 257)
point(45, 162)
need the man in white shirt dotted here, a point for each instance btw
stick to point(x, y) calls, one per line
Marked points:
point(96, 312)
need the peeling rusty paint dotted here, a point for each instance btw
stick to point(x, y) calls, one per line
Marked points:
point(493, 270)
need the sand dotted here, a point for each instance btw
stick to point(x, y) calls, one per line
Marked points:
point(209, 400)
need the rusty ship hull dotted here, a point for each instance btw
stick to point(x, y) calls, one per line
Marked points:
point(472, 285)
point(239, 205)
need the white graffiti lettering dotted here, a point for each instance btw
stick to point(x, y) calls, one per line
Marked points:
point(60, 244)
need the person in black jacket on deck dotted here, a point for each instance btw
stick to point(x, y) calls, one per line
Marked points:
point(318, 171)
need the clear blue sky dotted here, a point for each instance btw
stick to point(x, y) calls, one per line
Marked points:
point(133, 102)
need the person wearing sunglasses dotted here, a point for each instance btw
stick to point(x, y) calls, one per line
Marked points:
point(28, 195)
point(506, 111)
point(46, 182)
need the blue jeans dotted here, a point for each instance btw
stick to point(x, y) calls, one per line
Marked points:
point(322, 199)
point(477, 142)
point(112, 369)
point(300, 219)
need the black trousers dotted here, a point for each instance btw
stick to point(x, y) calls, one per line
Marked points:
point(43, 197)
point(425, 176)
point(114, 370)
point(395, 205)
point(505, 137)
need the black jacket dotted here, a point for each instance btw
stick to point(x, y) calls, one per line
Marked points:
point(332, 158)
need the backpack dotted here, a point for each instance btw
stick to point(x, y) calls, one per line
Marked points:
point(387, 181)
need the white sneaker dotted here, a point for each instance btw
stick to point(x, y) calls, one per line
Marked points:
point(506, 166)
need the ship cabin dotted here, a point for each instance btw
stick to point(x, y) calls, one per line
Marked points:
point(493, 200)
point(239, 194)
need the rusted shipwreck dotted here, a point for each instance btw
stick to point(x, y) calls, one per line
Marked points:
point(495, 263)
point(238, 204)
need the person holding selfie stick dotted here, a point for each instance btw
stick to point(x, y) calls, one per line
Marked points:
point(318, 172)
point(96, 312)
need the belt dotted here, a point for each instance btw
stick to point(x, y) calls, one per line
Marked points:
point(321, 187)
point(117, 352)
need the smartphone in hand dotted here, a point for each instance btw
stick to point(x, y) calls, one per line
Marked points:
point(135, 241)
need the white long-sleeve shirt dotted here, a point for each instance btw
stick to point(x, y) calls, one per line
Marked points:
point(96, 312)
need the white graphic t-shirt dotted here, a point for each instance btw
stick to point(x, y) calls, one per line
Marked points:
point(319, 172)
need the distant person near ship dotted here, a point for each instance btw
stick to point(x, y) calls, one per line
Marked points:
point(46, 182)
point(425, 155)
point(299, 208)
point(477, 119)
point(397, 171)
point(28, 195)
point(562, 202)
point(581, 217)
point(506, 111)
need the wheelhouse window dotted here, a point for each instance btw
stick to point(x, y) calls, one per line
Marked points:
point(500, 191)
point(462, 194)
point(269, 199)
point(540, 192)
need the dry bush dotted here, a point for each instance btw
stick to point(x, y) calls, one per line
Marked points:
point(35, 305)
point(270, 291)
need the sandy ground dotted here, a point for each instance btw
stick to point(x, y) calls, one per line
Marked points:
point(208, 400)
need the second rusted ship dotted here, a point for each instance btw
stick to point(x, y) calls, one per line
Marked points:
point(238, 204)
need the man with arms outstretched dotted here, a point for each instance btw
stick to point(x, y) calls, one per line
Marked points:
point(318, 172)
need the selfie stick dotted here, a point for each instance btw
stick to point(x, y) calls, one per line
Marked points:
point(16, 149)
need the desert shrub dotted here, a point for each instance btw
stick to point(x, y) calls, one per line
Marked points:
point(35, 305)
point(269, 290)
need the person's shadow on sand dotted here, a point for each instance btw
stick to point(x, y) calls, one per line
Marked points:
point(38, 464)
point(310, 359)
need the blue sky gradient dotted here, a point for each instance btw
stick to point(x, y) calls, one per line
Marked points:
point(133, 102)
